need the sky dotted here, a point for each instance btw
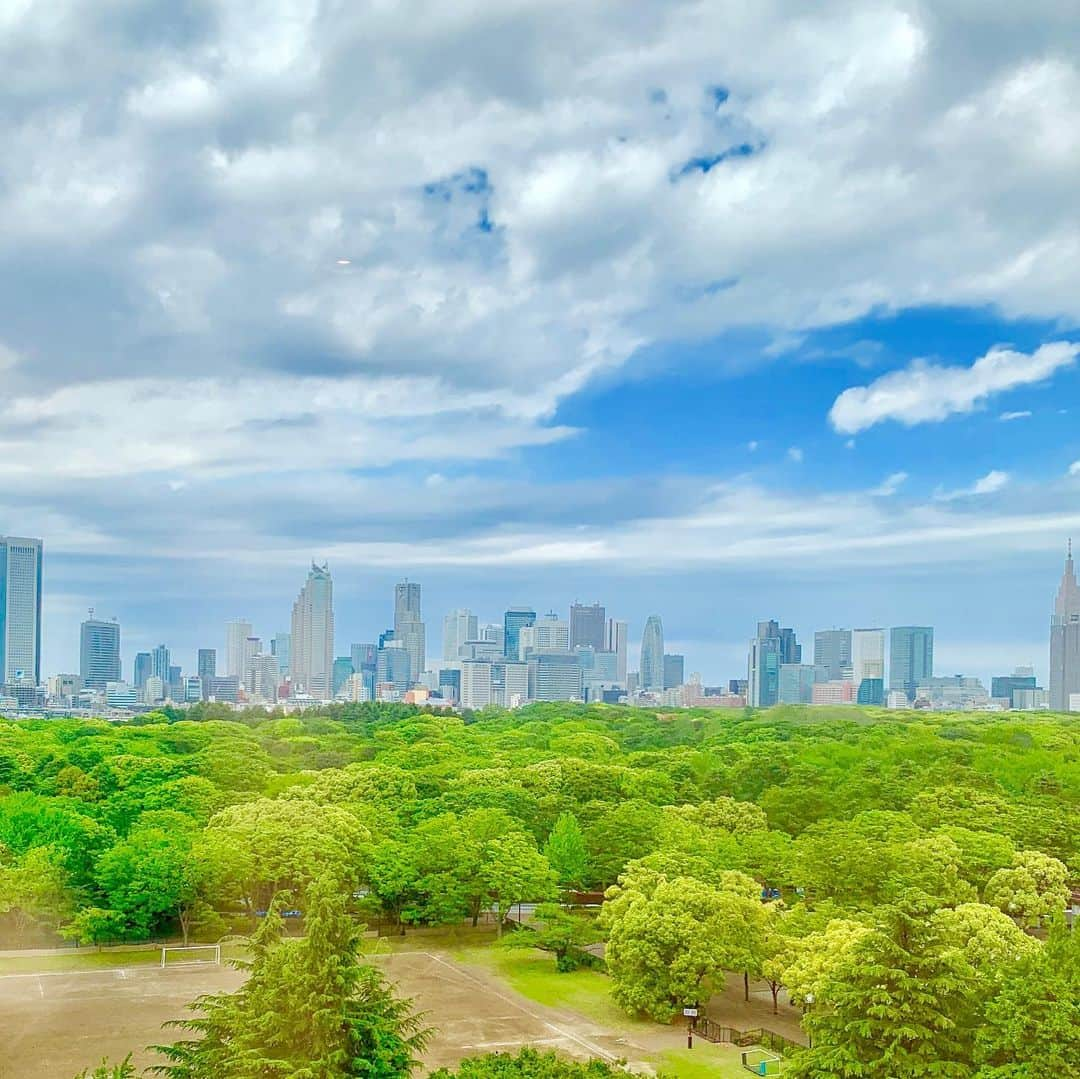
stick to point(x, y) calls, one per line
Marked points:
point(720, 311)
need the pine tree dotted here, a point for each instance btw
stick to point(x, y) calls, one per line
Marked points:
point(309, 1009)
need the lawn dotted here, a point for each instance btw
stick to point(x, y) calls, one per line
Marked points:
point(704, 1061)
point(44, 964)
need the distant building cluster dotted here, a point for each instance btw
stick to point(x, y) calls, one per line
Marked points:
point(524, 657)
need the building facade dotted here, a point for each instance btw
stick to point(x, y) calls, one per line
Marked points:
point(868, 664)
point(99, 653)
point(458, 627)
point(409, 626)
point(588, 626)
point(832, 651)
point(651, 671)
point(312, 637)
point(515, 619)
point(911, 658)
point(617, 636)
point(1065, 639)
point(769, 650)
point(674, 670)
point(236, 633)
point(20, 610)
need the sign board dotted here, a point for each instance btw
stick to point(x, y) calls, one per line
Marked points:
point(690, 1013)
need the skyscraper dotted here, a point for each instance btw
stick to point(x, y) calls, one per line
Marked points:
point(772, 647)
point(868, 664)
point(911, 658)
point(280, 648)
point(547, 634)
point(513, 621)
point(458, 627)
point(409, 626)
point(674, 670)
point(1065, 639)
point(832, 650)
point(588, 625)
point(144, 669)
point(206, 663)
point(20, 609)
point(616, 638)
point(652, 655)
point(312, 660)
point(236, 633)
point(160, 663)
point(99, 652)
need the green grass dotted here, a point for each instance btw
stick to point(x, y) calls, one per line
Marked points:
point(704, 1061)
point(103, 960)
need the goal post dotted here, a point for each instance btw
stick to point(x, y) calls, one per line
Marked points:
point(761, 1062)
point(190, 955)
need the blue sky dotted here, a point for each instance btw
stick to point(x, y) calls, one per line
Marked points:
point(718, 313)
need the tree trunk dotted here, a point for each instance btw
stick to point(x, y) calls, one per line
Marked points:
point(746, 985)
point(775, 987)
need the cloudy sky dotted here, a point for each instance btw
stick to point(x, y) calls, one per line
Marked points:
point(725, 311)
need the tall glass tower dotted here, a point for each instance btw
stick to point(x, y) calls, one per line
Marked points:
point(1065, 639)
point(312, 659)
point(20, 610)
point(514, 621)
point(99, 653)
point(652, 654)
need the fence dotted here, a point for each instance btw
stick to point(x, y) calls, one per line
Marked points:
point(715, 1032)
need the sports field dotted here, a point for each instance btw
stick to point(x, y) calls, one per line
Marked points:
point(56, 1023)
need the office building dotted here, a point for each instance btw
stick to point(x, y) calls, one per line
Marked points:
point(617, 636)
point(549, 634)
point(458, 627)
point(223, 688)
point(450, 683)
point(832, 652)
point(476, 683)
point(1005, 687)
point(834, 691)
point(120, 695)
point(490, 631)
point(555, 676)
point(193, 688)
point(263, 678)
point(514, 621)
point(911, 658)
point(280, 647)
point(159, 663)
point(312, 639)
point(510, 683)
point(1065, 639)
point(796, 682)
point(252, 648)
point(954, 693)
point(651, 672)
point(236, 634)
point(156, 689)
point(20, 610)
point(409, 626)
point(393, 667)
point(772, 647)
point(206, 663)
point(144, 668)
point(674, 670)
point(99, 652)
point(480, 649)
point(63, 687)
point(343, 671)
point(588, 626)
point(868, 665)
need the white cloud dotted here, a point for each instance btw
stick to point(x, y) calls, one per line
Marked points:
point(795, 454)
point(928, 393)
point(989, 484)
point(752, 445)
point(1074, 468)
point(1008, 417)
point(890, 485)
point(8, 357)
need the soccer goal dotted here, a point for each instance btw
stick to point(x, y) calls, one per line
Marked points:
point(761, 1062)
point(190, 955)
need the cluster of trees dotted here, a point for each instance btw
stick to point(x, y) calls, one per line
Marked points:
point(877, 836)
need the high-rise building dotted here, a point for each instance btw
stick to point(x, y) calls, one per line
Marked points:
point(458, 627)
point(409, 626)
point(868, 664)
point(476, 683)
point(280, 647)
point(772, 647)
point(588, 626)
point(616, 641)
point(652, 655)
point(555, 676)
point(144, 668)
point(393, 666)
point(674, 670)
point(549, 634)
point(832, 650)
point(99, 652)
point(20, 610)
point(206, 663)
point(312, 659)
point(492, 631)
point(236, 633)
point(252, 648)
point(159, 663)
point(343, 671)
point(1065, 639)
point(1006, 687)
point(515, 619)
point(797, 681)
point(911, 658)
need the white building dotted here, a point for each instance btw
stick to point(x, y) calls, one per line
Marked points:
point(548, 634)
point(476, 683)
point(617, 635)
point(458, 627)
point(312, 644)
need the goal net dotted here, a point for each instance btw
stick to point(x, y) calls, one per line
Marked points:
point(191, 955)
point(761, 1062)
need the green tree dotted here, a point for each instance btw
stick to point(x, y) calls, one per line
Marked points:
point(124, 1070)
point(529, 1064)
point(565, 850)
point(667, 937)
point(35, 890)
point(556, 930)
point(308, 1010)
point(1033, 887)
point(514, 871)
point(1031, 1026)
